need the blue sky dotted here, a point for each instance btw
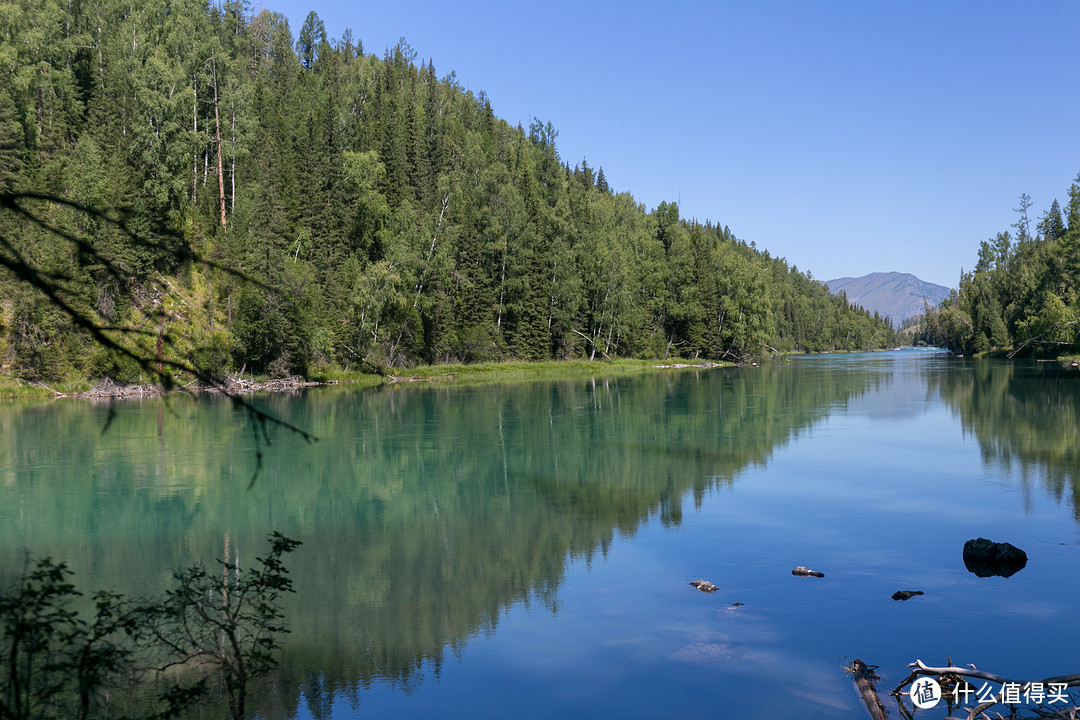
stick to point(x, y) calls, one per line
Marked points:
point(847, 137)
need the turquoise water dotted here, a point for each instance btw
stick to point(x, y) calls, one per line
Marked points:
point(526, 549)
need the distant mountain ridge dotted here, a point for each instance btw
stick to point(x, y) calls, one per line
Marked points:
point(897, 296)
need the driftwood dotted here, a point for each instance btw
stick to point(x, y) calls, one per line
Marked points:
point(704, 365)
point(109, 390)
point(448, 377)
point(866, 682)
point(1049, 692)
point(971, 671)
point(237, 385)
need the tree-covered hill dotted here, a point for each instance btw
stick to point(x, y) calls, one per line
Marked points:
point(1023, 297)
point(374, 213)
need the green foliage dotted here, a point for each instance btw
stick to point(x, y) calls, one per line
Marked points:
point(1023, 297)
point(380, 215)
point(214, 353)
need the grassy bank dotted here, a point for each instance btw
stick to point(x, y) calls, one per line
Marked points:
point(519, 371)
point(495, 372)
point(15, 389)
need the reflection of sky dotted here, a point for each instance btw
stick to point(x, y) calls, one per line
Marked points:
point(901, 389)
point(878, 499)
point(903, 395)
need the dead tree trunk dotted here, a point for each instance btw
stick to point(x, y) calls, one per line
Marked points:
point(195, 130)
point(217, 132)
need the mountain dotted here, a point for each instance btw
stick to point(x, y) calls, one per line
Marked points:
point(897, 296)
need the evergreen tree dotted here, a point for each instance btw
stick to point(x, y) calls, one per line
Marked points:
point(312, 38)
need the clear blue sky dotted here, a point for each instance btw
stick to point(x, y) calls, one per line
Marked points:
point(848, 137)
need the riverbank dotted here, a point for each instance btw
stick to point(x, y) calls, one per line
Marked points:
point(481, 373)
point(519, 371)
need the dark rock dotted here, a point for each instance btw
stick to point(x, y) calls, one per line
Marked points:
point(704, 586)
point(906, 594)
point(806, 572)
point(986, 558)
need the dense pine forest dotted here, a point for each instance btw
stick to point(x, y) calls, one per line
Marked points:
point(182, 178)
point(1023, 296)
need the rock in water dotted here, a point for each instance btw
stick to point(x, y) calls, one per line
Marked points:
point(906, 594)
point(704, 586)
point(986, 558)
point(806, 572)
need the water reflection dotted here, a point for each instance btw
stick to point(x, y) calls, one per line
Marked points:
point(465, 502)
point(425, 512)
point(1025, 417)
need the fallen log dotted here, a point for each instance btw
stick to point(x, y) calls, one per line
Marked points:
point(866, 682)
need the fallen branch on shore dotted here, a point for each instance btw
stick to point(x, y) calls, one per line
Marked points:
point(448, 377)
point(107, 389)
point(110, 390)
point(286, 384)
point(704, 365)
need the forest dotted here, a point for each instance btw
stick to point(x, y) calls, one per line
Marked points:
point(181, 179)
point(1023, 295)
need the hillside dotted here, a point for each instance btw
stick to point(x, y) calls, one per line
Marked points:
point(188, 182)
point(897, 296)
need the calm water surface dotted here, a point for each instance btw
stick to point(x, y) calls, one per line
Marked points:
point(525, 550)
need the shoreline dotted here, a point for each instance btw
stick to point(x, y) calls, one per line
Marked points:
point(481, 373)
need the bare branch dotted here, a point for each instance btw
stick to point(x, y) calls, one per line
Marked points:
point(54, 288)
point(11, 201)
point(924, 669)
point(1036, 338)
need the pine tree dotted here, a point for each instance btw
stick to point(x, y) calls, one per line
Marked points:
point(12, 145)
point(1052, 226)
point(601, 182)
point(311, 40)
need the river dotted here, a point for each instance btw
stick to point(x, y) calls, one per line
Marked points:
point(526, 550)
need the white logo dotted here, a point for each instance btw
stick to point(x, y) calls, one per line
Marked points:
point(925, 693)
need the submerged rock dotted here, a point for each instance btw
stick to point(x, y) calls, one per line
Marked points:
point(704, 586)
point(806, 572)
point(986, 558)
point(707, 653)
point(906, 594)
